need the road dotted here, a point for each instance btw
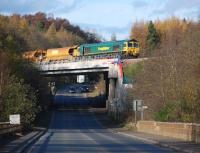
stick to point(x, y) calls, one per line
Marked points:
point(79, 131)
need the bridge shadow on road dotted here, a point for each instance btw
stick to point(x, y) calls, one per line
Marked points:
point(79, 101)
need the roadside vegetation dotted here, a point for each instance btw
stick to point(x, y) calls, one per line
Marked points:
point(169, 83)
point(130, 71)
point(22, 90)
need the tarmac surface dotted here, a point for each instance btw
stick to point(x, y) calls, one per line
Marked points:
point(79, 131)
point(90, 130)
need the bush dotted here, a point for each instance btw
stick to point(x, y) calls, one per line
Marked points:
point(131, 70)
point(19, 98)
point(166, 113)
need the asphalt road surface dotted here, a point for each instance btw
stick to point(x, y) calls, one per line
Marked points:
point(78, 131)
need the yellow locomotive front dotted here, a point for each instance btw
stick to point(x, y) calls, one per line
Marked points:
point(131, 48)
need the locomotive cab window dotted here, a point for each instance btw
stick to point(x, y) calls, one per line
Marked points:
point(136, 45)
point(71, 51)
point(130, 44)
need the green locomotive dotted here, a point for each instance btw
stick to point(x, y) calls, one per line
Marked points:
point(112, 49)
point(123, 47)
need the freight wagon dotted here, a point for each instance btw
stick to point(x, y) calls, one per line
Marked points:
point(35, 56)
point(61, 53)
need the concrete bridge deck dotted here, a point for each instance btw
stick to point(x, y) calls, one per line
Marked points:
point(77, 67)
point(62, 67)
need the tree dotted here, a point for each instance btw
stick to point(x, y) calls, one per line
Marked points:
point(153, 38)
point(139, 31)
point(23, 25)
point(51, 32)
point(67, 38)
point(18, 98)
point(3, 64)
point(51, 35)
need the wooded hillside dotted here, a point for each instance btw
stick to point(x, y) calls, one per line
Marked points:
point(169, 82)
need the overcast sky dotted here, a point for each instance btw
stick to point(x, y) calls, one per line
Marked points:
point(105, 16)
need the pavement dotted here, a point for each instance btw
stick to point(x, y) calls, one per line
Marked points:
point(163, 141)
point(175, 144)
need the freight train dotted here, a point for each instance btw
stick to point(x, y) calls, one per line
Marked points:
point(35, 56)
point(123, 48)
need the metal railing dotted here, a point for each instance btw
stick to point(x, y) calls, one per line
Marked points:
point(6, 127)
point(78, 59)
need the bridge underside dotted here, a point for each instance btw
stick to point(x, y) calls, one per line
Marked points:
point(109, 67)
point(74, 71)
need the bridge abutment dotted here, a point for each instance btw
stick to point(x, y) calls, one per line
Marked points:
point(112, 88)
point(114, 103)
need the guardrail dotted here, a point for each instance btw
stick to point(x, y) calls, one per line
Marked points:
point(6, 127)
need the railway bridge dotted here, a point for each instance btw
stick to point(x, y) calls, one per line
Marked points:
point(112, 69)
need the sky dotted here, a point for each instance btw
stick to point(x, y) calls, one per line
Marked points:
point(105, 17)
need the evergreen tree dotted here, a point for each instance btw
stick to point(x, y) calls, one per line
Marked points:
point(40, 26)
point(153, 38)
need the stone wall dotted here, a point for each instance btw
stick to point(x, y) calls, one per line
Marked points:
point(184, 131)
